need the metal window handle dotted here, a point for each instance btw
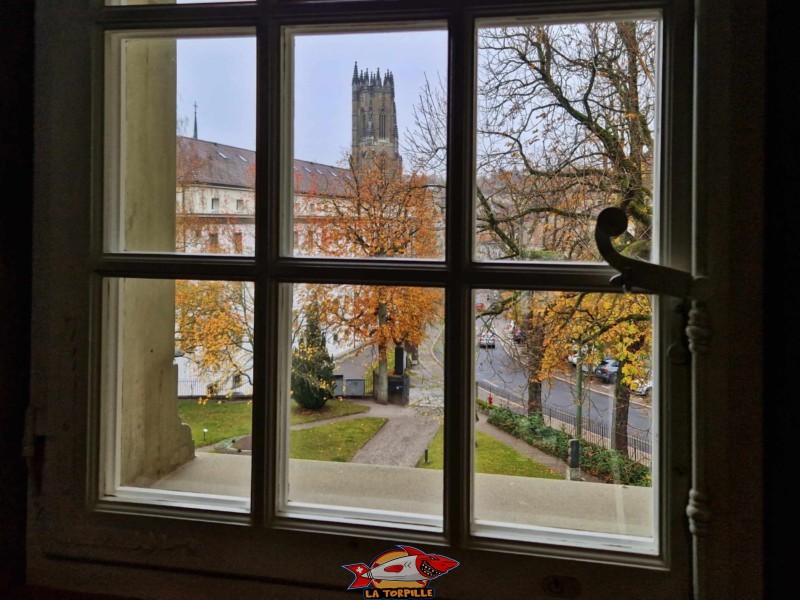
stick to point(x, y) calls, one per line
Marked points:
point(637, 275)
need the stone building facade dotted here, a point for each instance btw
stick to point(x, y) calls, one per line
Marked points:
point(375, 120)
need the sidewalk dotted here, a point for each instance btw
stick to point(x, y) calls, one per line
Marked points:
point(409, 430)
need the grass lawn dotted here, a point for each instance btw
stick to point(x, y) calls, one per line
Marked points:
point(491, 457)
point(335, 441)
point(332, 408)
point(232, 419)
point(223, 421)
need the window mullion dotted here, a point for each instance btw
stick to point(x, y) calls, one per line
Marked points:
point(458, 338)
point(270, 141)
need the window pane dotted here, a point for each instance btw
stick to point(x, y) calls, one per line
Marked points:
point(178, 388)
point(552, 367)
point(566, 127)
point(180, 155)
point(366, 403)
point(369, 145)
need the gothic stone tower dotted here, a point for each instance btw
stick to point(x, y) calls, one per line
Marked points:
point(374, 120)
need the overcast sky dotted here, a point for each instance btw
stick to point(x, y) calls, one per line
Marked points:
point(219, 74)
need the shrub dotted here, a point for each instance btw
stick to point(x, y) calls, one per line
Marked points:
point(605, 464)
point(484, 406)
point(312, 366)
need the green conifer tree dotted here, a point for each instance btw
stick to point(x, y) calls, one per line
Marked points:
point(312, 366)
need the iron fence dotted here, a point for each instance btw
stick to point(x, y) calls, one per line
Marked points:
point(592, 430)
point(202, 388)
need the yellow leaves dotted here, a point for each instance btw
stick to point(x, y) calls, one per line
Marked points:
point(377, 213)
point(212, 325)
point(597, 325)
point(376, 315)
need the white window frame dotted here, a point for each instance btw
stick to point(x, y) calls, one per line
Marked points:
point(65, 386)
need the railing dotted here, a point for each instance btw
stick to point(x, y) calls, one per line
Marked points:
point(201, 388)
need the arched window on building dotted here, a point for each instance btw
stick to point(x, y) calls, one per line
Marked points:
point(382, 125)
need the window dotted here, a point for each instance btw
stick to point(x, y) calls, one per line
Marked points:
point(239, 205)
point(483, 245)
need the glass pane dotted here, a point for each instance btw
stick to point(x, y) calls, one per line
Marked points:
point(366, 403)
point(553, 367)
point(178, 387)
point(566, 127)
point(181, 154)
point(369, 145)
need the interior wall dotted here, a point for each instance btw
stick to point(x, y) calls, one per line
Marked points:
point(781, 420)
point(16, 175)
point(782, 298)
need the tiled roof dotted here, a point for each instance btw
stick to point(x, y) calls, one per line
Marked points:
point(210, 163)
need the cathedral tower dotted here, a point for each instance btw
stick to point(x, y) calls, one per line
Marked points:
point(374, 120)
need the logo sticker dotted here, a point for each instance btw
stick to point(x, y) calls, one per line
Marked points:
point(403, 573)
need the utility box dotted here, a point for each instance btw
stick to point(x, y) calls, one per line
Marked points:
point(338, 385)
point(398, 389)
point(396, 384)
point(354, 388)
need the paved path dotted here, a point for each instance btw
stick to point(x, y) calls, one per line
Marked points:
point(409, 429)
point(551, 462)
point(401, 442)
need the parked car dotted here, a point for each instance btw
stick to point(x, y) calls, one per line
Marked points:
point(486, 340)
point(573, 360)
point(480, 306)
point(643, 388)
point(607, 370)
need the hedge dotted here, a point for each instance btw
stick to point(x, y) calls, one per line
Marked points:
point(607, 465)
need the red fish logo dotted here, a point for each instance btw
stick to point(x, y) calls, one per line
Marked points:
point(408, 568)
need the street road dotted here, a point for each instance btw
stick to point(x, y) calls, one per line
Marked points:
point(498, 369)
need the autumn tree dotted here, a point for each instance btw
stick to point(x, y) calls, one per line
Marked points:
point(214, 327)
point(565, 128)
point(376, 212)
point(312, 365)
point(599, 325)
point(566, 115)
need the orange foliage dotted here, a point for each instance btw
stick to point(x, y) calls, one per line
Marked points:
point(373, 212)
point(213, 321)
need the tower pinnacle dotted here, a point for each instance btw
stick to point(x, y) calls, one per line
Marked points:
point(375, 135)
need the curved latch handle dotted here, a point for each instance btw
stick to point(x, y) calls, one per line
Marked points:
point(638, 275)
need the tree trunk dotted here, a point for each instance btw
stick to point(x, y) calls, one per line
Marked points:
point(579, 395)
point(534, 344)
point(534, 398)
point(622, 402)
point(380, 381)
